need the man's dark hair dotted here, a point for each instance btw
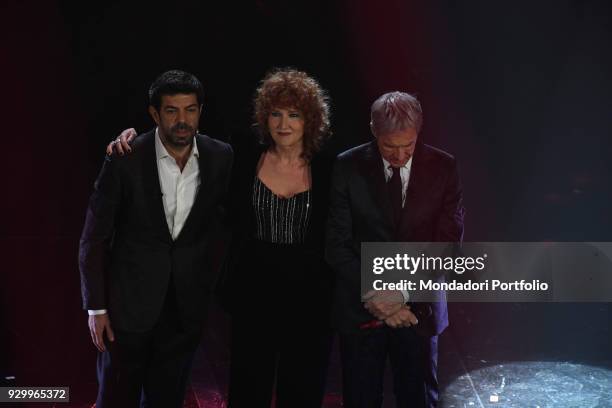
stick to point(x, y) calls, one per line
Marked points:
point(175, 82)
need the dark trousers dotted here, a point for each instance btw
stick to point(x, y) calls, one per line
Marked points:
point(297, 358)
point(149, 369)
point(414, 361)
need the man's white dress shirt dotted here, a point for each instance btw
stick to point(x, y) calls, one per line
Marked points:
point(404, 175)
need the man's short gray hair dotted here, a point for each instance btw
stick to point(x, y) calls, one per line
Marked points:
point(395, 111)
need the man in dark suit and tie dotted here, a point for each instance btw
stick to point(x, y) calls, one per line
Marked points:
point(394, 188)
point(145, 254)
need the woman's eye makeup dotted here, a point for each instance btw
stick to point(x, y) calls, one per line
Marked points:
point(292, 115)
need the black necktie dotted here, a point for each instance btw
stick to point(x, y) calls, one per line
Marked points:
point(395, 193)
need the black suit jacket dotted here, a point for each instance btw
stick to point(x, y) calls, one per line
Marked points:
point(127, 257)
point(360, 211)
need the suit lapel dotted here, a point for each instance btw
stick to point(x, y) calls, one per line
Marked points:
point(417, 186)
point(205, 162)
point(152, 187)
point(374, 173)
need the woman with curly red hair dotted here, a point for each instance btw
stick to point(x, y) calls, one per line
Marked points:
point(279, 285)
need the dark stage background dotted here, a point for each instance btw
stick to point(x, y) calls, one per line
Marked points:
point(519, 91)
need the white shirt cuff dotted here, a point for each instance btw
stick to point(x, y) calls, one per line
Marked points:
point(405, 295)
point(96, 312)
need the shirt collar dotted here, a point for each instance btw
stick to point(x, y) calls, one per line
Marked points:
point(405, 166)
point(161, 152)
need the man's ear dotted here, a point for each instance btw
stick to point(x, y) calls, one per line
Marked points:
point(154, 114)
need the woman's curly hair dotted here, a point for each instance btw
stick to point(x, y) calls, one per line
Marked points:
point(290, 88)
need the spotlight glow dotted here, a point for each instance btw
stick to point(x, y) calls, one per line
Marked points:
point(531, 384)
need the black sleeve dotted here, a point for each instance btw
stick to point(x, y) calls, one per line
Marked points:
point(97, 234)
point(339, 250)
point(450, 222)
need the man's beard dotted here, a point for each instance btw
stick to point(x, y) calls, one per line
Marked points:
point(180, 141)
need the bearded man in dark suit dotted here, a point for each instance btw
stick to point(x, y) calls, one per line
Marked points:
point(146, 250)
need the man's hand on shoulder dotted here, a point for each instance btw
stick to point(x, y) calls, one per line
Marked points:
point(98, 324)
point(121, 145)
